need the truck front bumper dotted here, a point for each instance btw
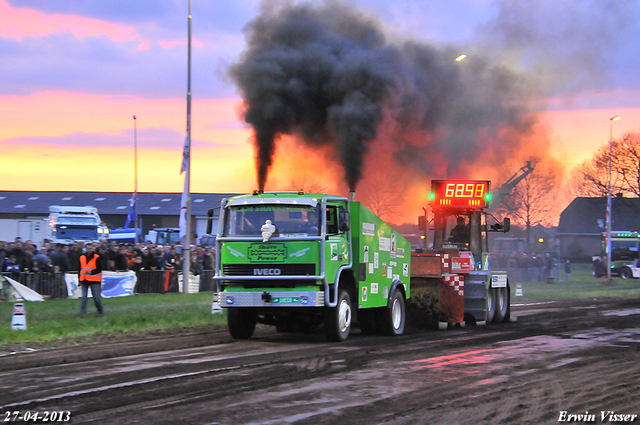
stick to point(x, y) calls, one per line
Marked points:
point(271, 299)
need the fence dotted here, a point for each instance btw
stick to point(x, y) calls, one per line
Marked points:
point(53, 285)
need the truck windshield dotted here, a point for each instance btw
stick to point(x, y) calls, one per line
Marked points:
point(76, 232)
point(86, 220)
point(168, 238)
point(289, 220)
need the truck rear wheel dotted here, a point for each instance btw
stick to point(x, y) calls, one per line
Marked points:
point(242, 322)
point(502, 304)
point(491, 304)
point(392, 318)
point(337, 320)
point(626, 273)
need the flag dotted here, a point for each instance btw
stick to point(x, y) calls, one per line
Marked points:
point(183, 208)
point(132, 211)
point(185, 155)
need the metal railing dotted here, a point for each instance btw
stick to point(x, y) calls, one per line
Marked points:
point(53, 285)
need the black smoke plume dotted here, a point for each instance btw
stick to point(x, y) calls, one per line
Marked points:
point(328, 74)
point(322, 73)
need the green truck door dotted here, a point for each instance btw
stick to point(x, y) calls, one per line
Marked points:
point(336, 244)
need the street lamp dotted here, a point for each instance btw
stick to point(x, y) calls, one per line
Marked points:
point(611, 120)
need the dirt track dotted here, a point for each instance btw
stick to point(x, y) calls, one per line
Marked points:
point(556, 357)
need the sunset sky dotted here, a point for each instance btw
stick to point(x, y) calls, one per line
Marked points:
point(74, 72)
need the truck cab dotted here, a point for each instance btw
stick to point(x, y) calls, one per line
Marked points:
point(68, 224)
point(289, 259)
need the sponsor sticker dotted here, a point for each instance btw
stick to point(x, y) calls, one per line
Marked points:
point(364, 294)
point(368, 229)
point(374, 288)
point(365, 256)
point(267, 252)
point(384, 244)
point(285, 300)
point(334, 252)
point(499, 281)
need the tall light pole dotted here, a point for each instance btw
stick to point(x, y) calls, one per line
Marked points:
point(611, 120)
point(135, 173)
point(186, 245)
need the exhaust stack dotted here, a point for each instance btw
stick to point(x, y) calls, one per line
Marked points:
point(352, 196)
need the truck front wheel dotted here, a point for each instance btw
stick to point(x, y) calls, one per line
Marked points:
point(392, 318)
point(242, 322)
point(337, 320)
point(626, 273)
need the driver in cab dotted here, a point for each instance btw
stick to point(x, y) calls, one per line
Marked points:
point(460, 233)
point(311, 226)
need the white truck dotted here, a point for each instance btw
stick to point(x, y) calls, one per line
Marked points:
point(69, 224)
point(164, 236)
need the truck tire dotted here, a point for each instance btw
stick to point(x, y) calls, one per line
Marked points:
point(392, 318)
point(502, 304)
point(626, 273)
point(491, 303)
point(337, 320)
point(242, 322)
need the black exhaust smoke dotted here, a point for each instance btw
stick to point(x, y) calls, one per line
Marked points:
point(321, 73)
point(327, 74)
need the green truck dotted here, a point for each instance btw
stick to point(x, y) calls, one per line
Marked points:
point(297, 260)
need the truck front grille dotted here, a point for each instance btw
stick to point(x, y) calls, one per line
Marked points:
point(267, 270)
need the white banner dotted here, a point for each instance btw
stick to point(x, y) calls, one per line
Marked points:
point(25, 293)
point(194, 284)
point(114, 284)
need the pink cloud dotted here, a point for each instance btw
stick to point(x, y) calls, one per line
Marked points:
point(17, 23)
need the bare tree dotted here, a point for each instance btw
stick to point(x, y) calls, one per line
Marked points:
point(534, 200)
point(384, 193)
point(591, 178)
point(308, 183)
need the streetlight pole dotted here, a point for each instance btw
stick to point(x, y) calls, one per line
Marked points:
point(611, 120)
point(135, 171)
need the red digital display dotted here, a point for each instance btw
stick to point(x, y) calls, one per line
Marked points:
point(460, 193)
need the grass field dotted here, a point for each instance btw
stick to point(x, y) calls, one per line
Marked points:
point(583, 285)
point(61, 320)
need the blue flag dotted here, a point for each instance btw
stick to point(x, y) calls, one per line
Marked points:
point(131, 217)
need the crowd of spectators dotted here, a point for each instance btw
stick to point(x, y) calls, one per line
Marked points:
point(536, 267)
point(25, 257)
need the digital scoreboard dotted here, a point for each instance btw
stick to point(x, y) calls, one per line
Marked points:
point(460, 193)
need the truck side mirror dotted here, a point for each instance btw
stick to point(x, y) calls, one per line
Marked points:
point(506, 225)
point(422, 222)
point(345, 221)
point(209, 220)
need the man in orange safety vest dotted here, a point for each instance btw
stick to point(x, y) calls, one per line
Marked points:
point(90, 276)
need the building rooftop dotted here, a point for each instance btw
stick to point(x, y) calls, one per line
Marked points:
point(587, 215)
point(167, 203)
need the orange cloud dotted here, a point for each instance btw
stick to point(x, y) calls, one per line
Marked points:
point(223, 164)
point(577, 134)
